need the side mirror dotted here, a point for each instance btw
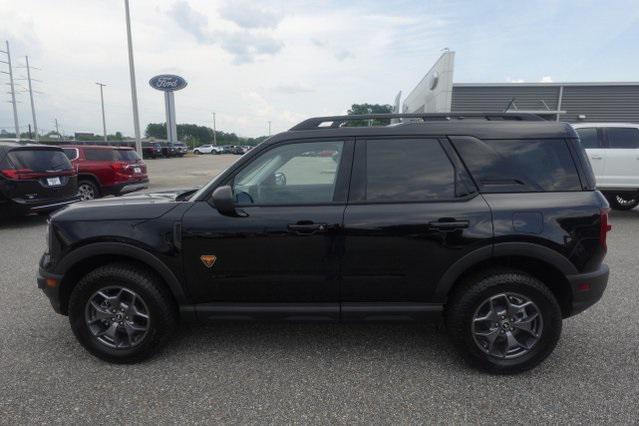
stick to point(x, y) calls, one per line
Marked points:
point(224, 201)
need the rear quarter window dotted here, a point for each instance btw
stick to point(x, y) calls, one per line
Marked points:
point(623, 137)
point(520, 165)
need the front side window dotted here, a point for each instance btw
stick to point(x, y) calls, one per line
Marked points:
point(297, 173)
point(408, 170)
point(623, 137)
point(589, 138)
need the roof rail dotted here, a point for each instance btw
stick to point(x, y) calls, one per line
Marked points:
point(333, 122)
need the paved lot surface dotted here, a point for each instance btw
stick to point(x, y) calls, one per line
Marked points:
point(302, 373)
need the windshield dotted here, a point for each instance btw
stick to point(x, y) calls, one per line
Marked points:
point(39, 160)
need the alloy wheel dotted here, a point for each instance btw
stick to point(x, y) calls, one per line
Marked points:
point(86, 192)
point(117, 317)
point(507, 325)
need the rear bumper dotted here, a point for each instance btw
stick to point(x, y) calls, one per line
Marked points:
point(587, 288)
point(126, 187)
point(20, 206)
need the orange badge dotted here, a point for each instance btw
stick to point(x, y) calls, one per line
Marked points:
point(208, 260)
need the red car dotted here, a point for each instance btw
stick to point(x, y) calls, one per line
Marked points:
point(107, 170)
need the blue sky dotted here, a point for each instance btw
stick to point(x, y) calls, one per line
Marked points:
point(283, 61)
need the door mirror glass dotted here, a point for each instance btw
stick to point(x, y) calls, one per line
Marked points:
point(224, 200)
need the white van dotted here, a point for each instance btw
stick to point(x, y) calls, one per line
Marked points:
point(613, 150)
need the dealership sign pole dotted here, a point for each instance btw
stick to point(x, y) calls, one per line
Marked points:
point(168, 84)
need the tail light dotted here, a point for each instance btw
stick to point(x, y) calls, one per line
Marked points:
point(119, 166)
point(605, 227)
point(17, 174)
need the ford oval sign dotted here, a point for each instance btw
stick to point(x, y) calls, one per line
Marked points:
point(167, 82)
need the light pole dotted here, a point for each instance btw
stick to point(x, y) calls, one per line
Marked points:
point(103, 117)
point(269, 128)
point(214, 131)
point(134, 91)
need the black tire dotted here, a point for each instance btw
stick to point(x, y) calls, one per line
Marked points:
point(162, 311)
point(622, 201)
point(86, 187)
point(197, 152)
point(473, 293)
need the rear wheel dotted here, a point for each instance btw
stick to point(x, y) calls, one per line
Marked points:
point(504, 321)
point(623, 201)
point(88, 190)
point(196, 152)
point(121, 313)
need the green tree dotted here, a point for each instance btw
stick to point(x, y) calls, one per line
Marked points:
point(359, 109)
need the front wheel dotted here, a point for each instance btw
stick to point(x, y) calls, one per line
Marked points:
point(504, 321)
point(121, 313)
point(623, 201)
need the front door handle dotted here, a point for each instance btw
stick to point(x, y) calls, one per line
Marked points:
point(305, 228)
point(595, 157)
point(448, 224)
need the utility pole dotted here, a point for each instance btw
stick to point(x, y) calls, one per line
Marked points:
point(134, 91)
point(102, 103)
point(56, 128)
point(214, 131)
point(269, 128)
point(13, 90)
point(33, 113)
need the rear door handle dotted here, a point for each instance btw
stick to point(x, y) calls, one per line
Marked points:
point(448, 224)
point(302, 228)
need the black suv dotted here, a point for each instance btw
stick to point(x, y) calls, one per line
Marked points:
point(489, 221)
point(34, 179)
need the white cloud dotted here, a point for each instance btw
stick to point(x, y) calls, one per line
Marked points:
point(514, 80)
point(250, 14)
point(546, 79)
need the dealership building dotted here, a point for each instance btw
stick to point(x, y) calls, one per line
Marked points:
point(571, 102)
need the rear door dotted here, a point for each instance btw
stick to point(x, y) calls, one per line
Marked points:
point(592, 140)
point(412, 213)
point(622, 162)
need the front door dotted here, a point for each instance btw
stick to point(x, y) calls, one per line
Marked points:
point(592, 140)
point(284, 248)
point(622, 162)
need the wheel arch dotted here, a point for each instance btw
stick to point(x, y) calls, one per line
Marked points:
point(541, 262)
point(80, 261)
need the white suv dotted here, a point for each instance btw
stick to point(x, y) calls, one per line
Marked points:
point(207, 149)
point(613, 150)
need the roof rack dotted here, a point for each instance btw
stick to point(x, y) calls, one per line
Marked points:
point(339, 120)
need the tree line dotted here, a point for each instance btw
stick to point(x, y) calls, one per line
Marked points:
point(194, 135)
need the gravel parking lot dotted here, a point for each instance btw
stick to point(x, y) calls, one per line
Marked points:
point(302, 373)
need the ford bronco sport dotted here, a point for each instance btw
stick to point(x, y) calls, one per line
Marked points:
point(488, 221)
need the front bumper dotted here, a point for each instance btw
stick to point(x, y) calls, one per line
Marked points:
point(49, 283)
point(587, 288)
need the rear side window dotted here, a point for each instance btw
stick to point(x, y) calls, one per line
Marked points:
point(589, 138)
point(127, 155)
point(71, 153)
point(99, 154)
point(519, 165)
point(623, 137)
point(408, 170)
point(39, 160)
